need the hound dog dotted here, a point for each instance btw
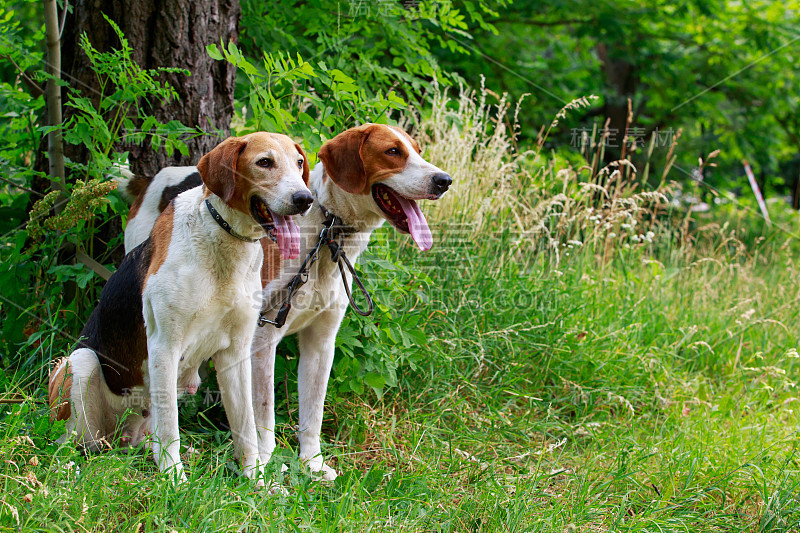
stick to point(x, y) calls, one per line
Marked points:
point(367, 175)
point(189, 292)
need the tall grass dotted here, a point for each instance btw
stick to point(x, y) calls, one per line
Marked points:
point(615, 307)
point(600, 360)
point(498, 185)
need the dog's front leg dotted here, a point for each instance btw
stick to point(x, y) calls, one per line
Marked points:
point(263, 368)
point(234, 378)
point(317, 343)
point(163, 369)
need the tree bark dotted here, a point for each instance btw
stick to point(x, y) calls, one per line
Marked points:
point(162, 33)
point(55, 142)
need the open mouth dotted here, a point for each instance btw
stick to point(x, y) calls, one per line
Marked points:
point(281, 229)
point(262, 215)
point(404, 214)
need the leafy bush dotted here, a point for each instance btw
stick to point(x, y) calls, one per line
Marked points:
point(301, 99)
point(383, 46)
point(371, 350)
point(33, 275)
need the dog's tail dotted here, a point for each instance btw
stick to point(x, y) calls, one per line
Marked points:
point(59, 389)
point(130, 185)
point(77, 392)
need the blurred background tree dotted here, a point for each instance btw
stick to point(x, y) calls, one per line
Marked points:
point(722, 72)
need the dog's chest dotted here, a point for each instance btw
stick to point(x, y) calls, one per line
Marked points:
point(324, 291)
point(217, 317)
point(323, 288)
point(202, 312)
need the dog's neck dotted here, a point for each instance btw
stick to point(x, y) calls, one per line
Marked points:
point(354, 210)
point(241, 223)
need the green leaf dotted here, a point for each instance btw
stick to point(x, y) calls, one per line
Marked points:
point(376, 381)
point(214, 52)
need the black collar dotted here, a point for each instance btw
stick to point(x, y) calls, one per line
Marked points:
point(224, 224)
point(334, 223)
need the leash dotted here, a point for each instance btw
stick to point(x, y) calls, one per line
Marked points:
point(332, 235)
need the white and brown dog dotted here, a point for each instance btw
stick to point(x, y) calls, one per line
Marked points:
point(188, 293)
point(367, 174)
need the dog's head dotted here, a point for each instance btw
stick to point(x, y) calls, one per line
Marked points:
point(264, 175)
point(385, 162)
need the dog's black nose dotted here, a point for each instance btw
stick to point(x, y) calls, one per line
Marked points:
point(302, 200)
point(441, 182)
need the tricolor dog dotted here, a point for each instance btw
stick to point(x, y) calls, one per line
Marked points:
point(367, 175)
point(190, 292)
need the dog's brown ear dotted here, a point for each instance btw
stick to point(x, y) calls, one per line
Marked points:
point(218, 167)
point(341, 157)
point(305, 163)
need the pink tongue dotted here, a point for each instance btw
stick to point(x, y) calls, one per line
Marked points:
point(417, 225)
point(288, 236)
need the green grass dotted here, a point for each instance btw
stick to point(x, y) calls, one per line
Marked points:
point(650, 392)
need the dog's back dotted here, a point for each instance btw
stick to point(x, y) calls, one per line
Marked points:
point(150, 197)
point(106, 363)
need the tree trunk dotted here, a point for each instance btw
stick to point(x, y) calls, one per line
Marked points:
point(621, 78)
point(162, 33)
point(55, 145)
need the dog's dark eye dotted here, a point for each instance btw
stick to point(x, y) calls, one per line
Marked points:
point(265, 163)
point(392, 151)
point(299, 163)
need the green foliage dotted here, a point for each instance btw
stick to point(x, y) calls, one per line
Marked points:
point(384, 46)
point(84, 202)
point(19, 44)
point(32, 276)
point(301, 99)
point(720, 71)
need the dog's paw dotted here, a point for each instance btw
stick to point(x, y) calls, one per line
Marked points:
point(319, 470)
point(178, 477)
point(274, 489)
